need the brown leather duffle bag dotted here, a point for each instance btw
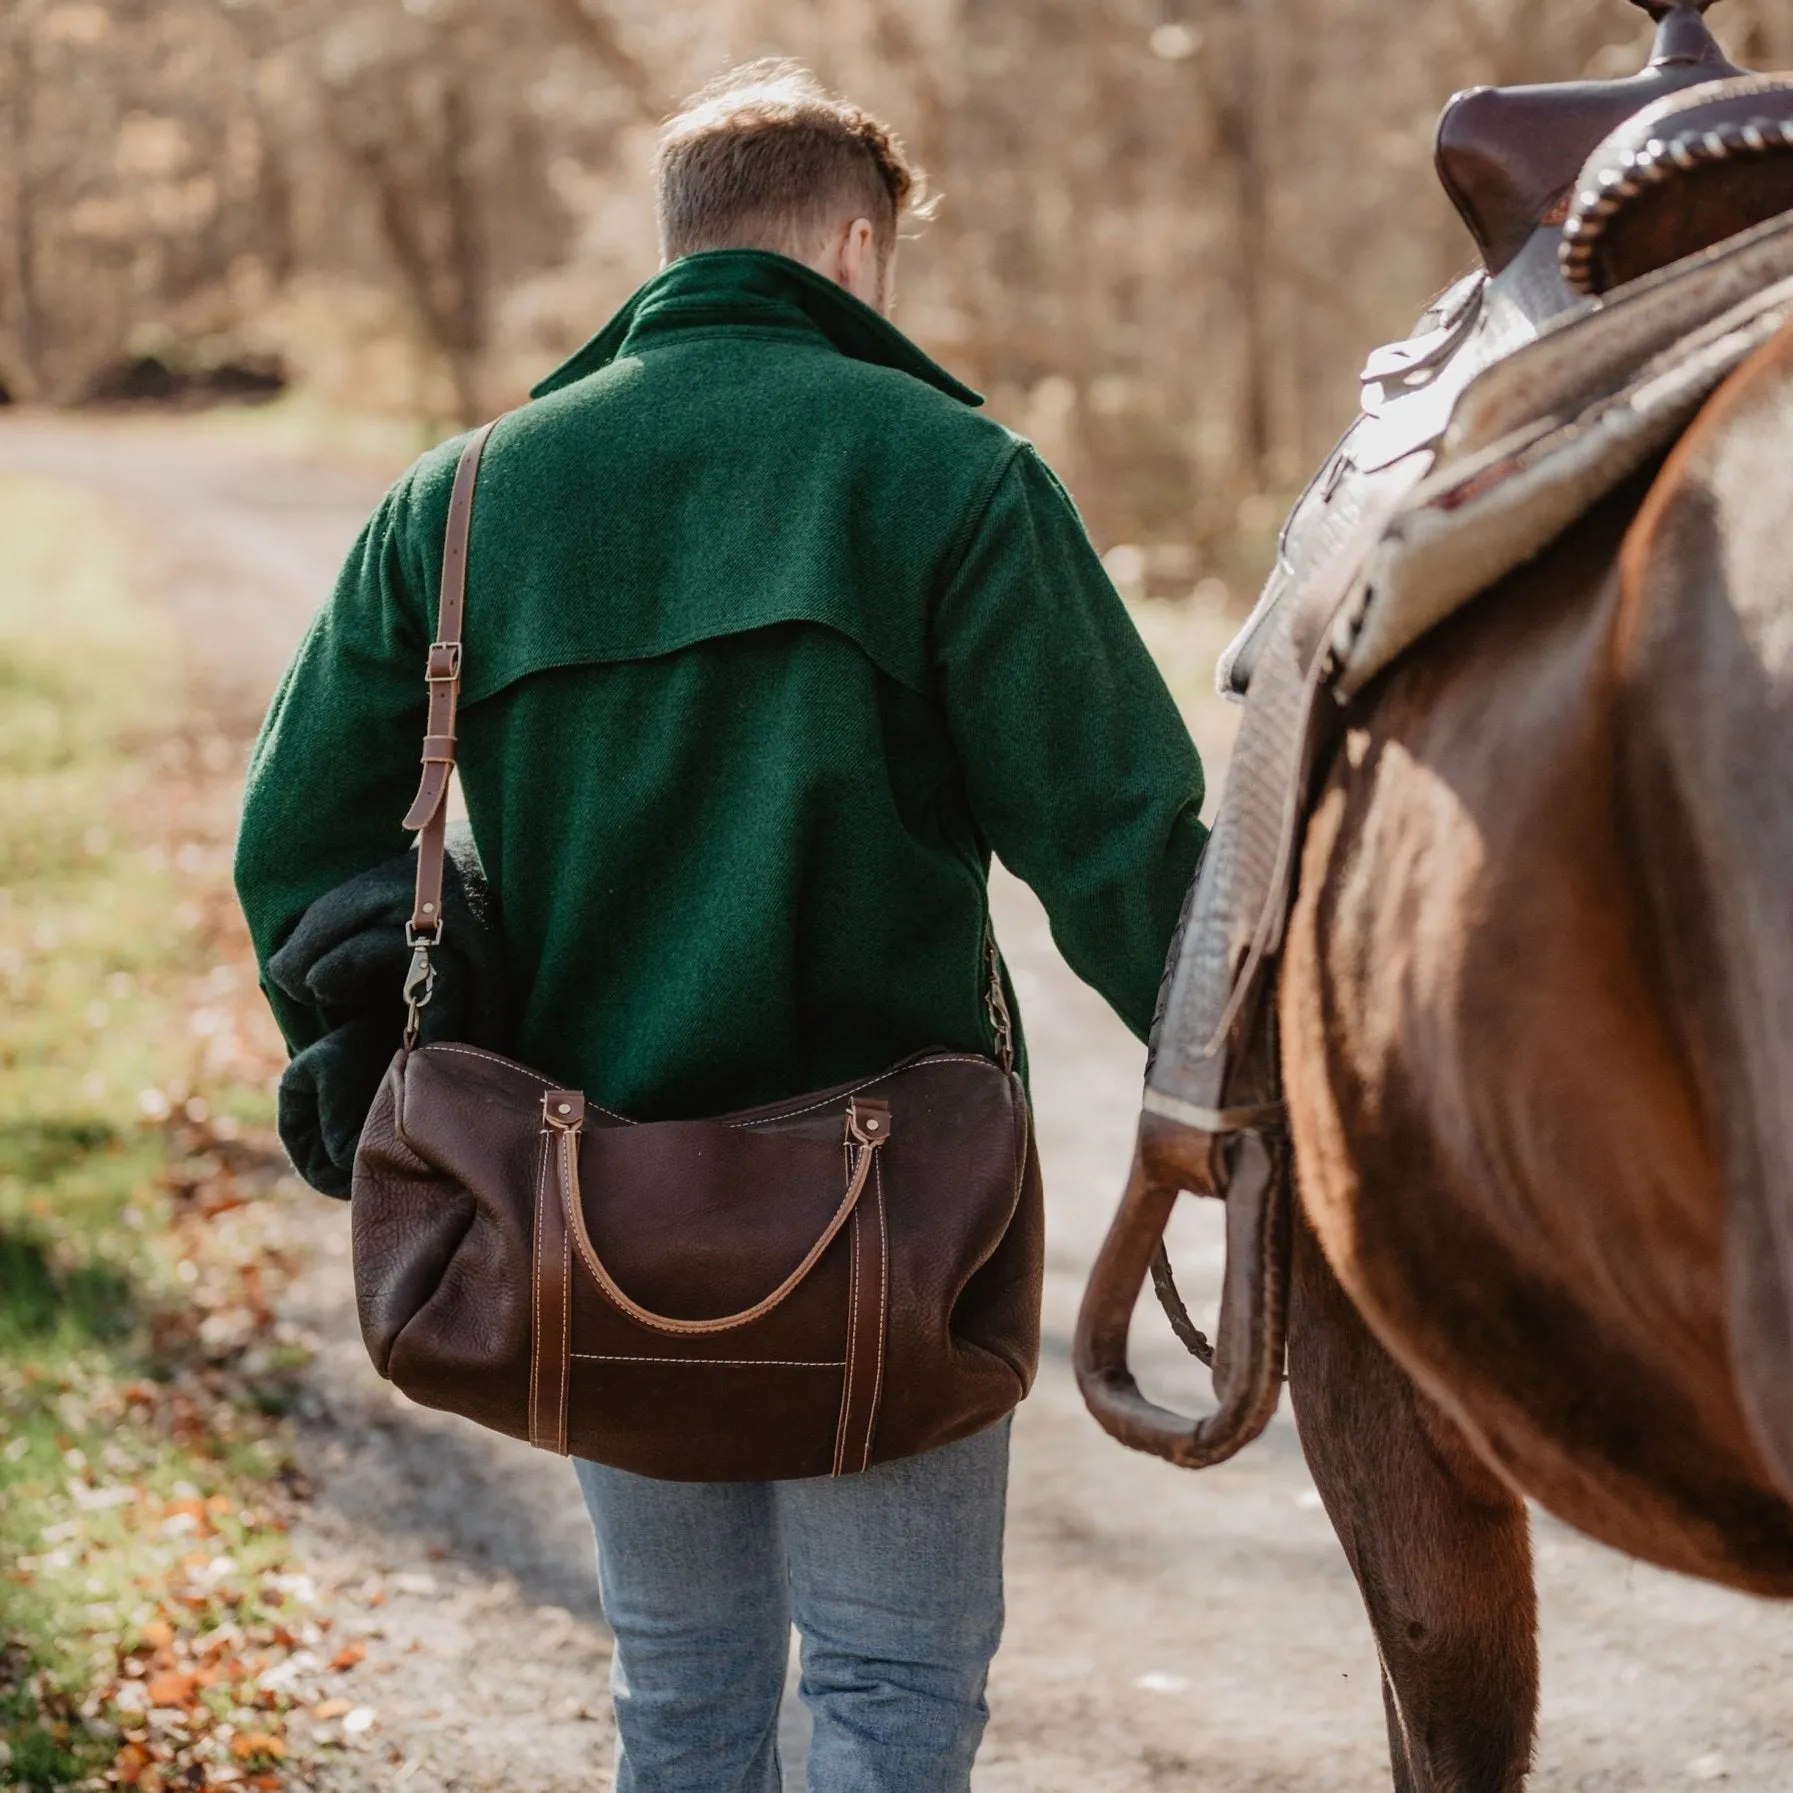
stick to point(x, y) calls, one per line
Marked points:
point(806, 1289)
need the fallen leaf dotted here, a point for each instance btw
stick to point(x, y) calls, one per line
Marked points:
point(185, 1517)
point(348, 1656)
point(247, 1745)
point(159, 1634)
point(172, 1687)
point(329, 1709)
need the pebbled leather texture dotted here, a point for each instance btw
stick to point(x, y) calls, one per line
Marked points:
point(930, 1295)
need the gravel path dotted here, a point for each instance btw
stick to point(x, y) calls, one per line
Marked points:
point(1166, 1630)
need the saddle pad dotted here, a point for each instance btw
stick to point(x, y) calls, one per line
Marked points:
point(1242, 869)
point(1533, 442)
point(1411, 392)
point(1542, 436)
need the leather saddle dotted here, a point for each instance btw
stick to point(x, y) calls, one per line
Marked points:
point(1636, 243)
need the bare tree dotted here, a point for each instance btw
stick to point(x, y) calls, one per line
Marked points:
point(24, 201)
point(1170, 228)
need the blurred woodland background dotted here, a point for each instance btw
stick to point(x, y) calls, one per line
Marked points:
point(1170, 228)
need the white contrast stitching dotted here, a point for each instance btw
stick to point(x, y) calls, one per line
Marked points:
point(790, 1114)
point(565, 1366)
point(852, 1364)
point(510, 1064)
point(506, 1063)
point(786, 1114)
point(717, 1363)
point(871, 1419)
point(846, 1381)
point(535, 1341)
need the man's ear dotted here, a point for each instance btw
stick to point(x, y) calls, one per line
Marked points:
point(858, 266)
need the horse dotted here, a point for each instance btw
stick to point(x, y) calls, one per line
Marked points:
point(1529, 1019)
point(1537, 1022)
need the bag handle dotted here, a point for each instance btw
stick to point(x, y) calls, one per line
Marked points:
point(563, 1113)
point(560, 1229)
point(428, 815)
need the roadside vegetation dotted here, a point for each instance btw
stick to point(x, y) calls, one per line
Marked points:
point(153, 1631)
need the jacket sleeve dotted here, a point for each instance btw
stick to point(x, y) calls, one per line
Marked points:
point(1079, 769)
point(336, 762)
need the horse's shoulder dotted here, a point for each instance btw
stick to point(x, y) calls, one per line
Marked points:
point(1720, 499)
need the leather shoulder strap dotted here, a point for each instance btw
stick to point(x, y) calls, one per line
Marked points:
point(428, 814)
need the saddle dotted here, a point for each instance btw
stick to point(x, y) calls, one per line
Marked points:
point(1636, 244)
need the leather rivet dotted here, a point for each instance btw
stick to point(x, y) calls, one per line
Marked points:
point(871, 1126)
point(566, 1108)
point(429, 908)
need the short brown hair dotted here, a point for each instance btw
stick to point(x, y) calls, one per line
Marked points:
point(765, 159)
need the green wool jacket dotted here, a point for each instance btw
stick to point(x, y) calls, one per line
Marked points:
point(771, 638)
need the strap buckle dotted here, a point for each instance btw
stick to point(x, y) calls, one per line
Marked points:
point(442, 671)
point(420, 980)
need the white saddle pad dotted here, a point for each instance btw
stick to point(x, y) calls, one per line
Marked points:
point(1541, 437)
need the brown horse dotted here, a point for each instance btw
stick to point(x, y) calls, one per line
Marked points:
point(1537, 1027)
point(1534, 999)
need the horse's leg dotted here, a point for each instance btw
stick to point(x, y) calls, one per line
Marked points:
point(1439, 1546)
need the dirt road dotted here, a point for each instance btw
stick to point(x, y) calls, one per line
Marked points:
point(1166, 1630)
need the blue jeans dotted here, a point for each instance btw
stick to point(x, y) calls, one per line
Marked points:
point(893, 1579)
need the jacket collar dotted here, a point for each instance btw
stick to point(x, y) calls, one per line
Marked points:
point(755, 289)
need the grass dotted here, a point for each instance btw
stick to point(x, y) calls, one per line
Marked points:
point(140, 1361)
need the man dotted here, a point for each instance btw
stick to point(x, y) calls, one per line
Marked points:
point(770, 640)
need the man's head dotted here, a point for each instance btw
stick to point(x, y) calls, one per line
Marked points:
point(764, 159)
